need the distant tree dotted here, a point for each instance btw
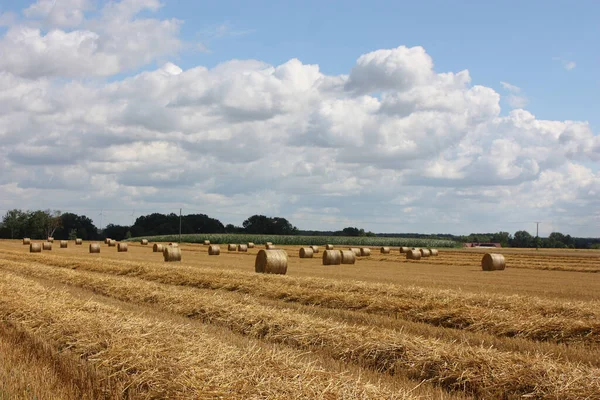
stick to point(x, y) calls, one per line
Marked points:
point(116, 232)
point(260, 224)
point(523, 239)
point(15, 222)
point(83, 227)
point(503, 238)
point(352, 231)
point(73, 234)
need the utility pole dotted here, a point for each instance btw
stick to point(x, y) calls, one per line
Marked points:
point(180, 225)
point(537, 234)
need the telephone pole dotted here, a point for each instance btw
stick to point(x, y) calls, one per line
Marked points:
point(537, 234)
point(180, 225)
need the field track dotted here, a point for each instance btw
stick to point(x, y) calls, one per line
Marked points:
point(128, 325)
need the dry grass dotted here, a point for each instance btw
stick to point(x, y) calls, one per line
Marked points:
point(157, 358)
point(478, 370)
point(547, 320)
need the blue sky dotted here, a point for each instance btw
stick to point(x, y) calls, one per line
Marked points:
point(374, 136)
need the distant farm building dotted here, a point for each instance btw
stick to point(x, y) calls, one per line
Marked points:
point(483, 245)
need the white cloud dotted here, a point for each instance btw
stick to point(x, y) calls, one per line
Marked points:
point(114, 41)
point(514, 98)
point(392, 146)
point(569, 65)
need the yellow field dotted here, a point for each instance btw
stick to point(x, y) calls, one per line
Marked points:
point(128, 325)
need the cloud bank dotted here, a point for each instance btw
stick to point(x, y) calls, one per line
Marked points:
point(391, 146)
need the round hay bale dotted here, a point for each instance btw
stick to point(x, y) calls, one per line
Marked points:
point(271, 262)
point(385, 250)
point(172, 253)
point(268, 243)
point(250, 245)
point(94, 248)
point(413, 255)
point(64, 244)
point(433, 252)
point(315, 249)
point(305, 252)
point(144, 242)
point(173, 244)
point(35, 248)
point(232, 247)
point(50, 239)
point(328, 247)
point(332, 257)
point(78, 242)
point(26, 241)
point(348, 256)
point(242, 247)
point(493, 262)
point(47, 246)
point(355, 250)
point(207, 242)
point(270, 247)
point(425, 252)
point(112, 243)
point(106, 240)
point(365, 251)
point(122, 248)
point(404, 249)
point(214, 250)
point(157, 248)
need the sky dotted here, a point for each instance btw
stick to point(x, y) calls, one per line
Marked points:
point(429, 117)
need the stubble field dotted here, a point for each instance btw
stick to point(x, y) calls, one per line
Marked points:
point(129, 325)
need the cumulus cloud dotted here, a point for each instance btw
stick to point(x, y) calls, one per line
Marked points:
point(391, 146)
point(115, 40)
point(515, 99)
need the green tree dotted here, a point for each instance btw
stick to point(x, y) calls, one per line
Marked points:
point(523, 239)
point(15, 223)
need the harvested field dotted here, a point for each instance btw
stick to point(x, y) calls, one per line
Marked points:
point(443, 327)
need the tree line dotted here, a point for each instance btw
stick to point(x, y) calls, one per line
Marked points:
point(40, 224)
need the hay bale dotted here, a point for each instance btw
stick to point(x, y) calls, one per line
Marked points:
point(385, 250)
point(413, 255)
point(64, 244)
point(144, 242)
point(306, 252)
point(425, 252)
point(232, 247)
point(242, 247)
point(106, 240)
point(315, 249)
point(94, 248)
point(47, 246)
point(157, 248)
point(270, 247)
point(173, 244)
point(271, 262)
point(332, 257)
point(214, 250)
point(50, 239)
point(78, 242)
point(348, 256)
point(328, 247)
point(268, 243)
point(365, 251)
point(172, 253)
point(250, 245)
point(433, 252)
point(355, 250)
point(112, 243)
point(493, 262)
point(207, 242)
point(404, 249)
point(122, 248)
point(26, 241)
point(35, 248)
